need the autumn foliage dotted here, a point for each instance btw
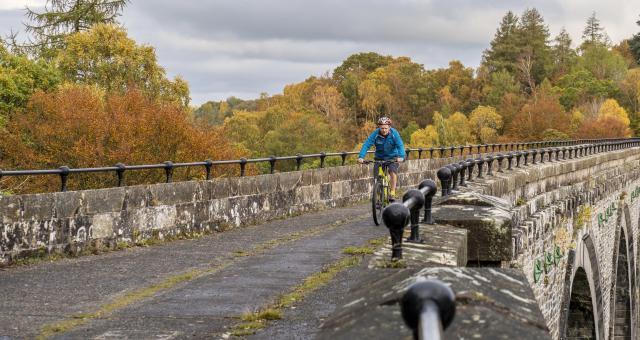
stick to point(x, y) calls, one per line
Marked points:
point(79, 126)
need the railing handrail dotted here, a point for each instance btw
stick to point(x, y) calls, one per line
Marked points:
point(168, 166)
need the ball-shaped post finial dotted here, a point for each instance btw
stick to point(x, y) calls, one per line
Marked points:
point(416, 297)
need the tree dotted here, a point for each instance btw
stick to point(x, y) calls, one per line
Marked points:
point(630, 97)
point(582, 87)
point(354, 70)
point(504, 48)
point(425, 138)
point(62, 18)
point(564, 57)
point(533, 39)
point(502, 83)
point(611, 108)
point(80, 126)
point(301, 133)
point(540, 113)
point(634, 45)
point(105, 56)
point(603, 127)
point(409, 130)
point(594, 33)
point(243, 128)
point(485, 123)
point(20, 77)
point(603, 63)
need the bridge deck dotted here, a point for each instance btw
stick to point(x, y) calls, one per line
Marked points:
point(185, 288)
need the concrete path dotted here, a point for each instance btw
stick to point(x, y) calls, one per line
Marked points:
point(190, 288)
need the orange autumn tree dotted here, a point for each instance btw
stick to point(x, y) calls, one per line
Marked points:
point(80, 126)
point(542, 112)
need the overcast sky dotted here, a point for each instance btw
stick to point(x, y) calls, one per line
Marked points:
point(242, 48)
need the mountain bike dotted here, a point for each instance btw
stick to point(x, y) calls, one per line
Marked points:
point(380, 195)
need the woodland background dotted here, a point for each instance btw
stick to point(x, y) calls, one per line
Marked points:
point(81, 93)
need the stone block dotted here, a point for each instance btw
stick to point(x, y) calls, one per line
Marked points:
point(247, 186)
point(10, 209)
point(104, 225)
point(38, 207)
point(266, 183)
point(103, 200)
point(224, 187)
point(173, 193)
point(137, 197)
point(488, 221)
point(68, 204)
point(325, 191)
point(289, 180)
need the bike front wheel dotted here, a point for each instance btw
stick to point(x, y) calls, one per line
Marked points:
point(377, 202)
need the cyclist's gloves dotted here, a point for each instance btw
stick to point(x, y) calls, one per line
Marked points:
point(400, 159)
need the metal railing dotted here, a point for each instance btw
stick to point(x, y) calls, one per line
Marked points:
point(452, 176)
point(435, 152)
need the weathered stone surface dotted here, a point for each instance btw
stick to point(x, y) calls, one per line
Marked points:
point(176, 193)
point(488, 222)
point(68, 204)
point(289, 180)
point(490, 304)
point(103, 200)
point(38, 207)
point(10, 209)
point(136, 197)
point(442, 245)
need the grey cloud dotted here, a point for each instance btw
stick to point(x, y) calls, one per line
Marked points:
point(244, 47)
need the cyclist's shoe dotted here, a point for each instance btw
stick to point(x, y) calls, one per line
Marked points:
point(392, 196)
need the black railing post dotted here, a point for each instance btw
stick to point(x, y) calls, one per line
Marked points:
point(442, 149)
point(322, 157)
point(500, 157)
point(168, 169)
point(344, 157)
point(428, 198)
point(463, 168)
point(208, 164)
point(479, 161)
point(407, 153)
point(431, 153)
point(444, 175)
point(428, 307)
point(489, 160)
point(243, 166)
point(396, 216)
point(525, 153)
point(64, 174)
point(509, 157)
point(534, 152)
point(454, 176)
point(470, 164)
point(298, 161)
point(419, 200)
point(120, 173)
point(419, 153)
point(272, 164)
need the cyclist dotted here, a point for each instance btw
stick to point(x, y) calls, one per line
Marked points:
point(389, 146)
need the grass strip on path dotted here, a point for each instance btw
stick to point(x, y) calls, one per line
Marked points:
point(254, 321)
point(77, 320)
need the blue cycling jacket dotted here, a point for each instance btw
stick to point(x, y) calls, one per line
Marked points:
point(387, 148)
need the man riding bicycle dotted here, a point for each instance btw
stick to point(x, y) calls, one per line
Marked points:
point(389, 146)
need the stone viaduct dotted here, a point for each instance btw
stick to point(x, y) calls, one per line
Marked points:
point(568, 219)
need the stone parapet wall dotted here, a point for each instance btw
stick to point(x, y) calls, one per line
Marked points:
point(567, 215)
point(69, 221)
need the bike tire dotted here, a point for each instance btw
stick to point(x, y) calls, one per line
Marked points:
point(377, 202)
